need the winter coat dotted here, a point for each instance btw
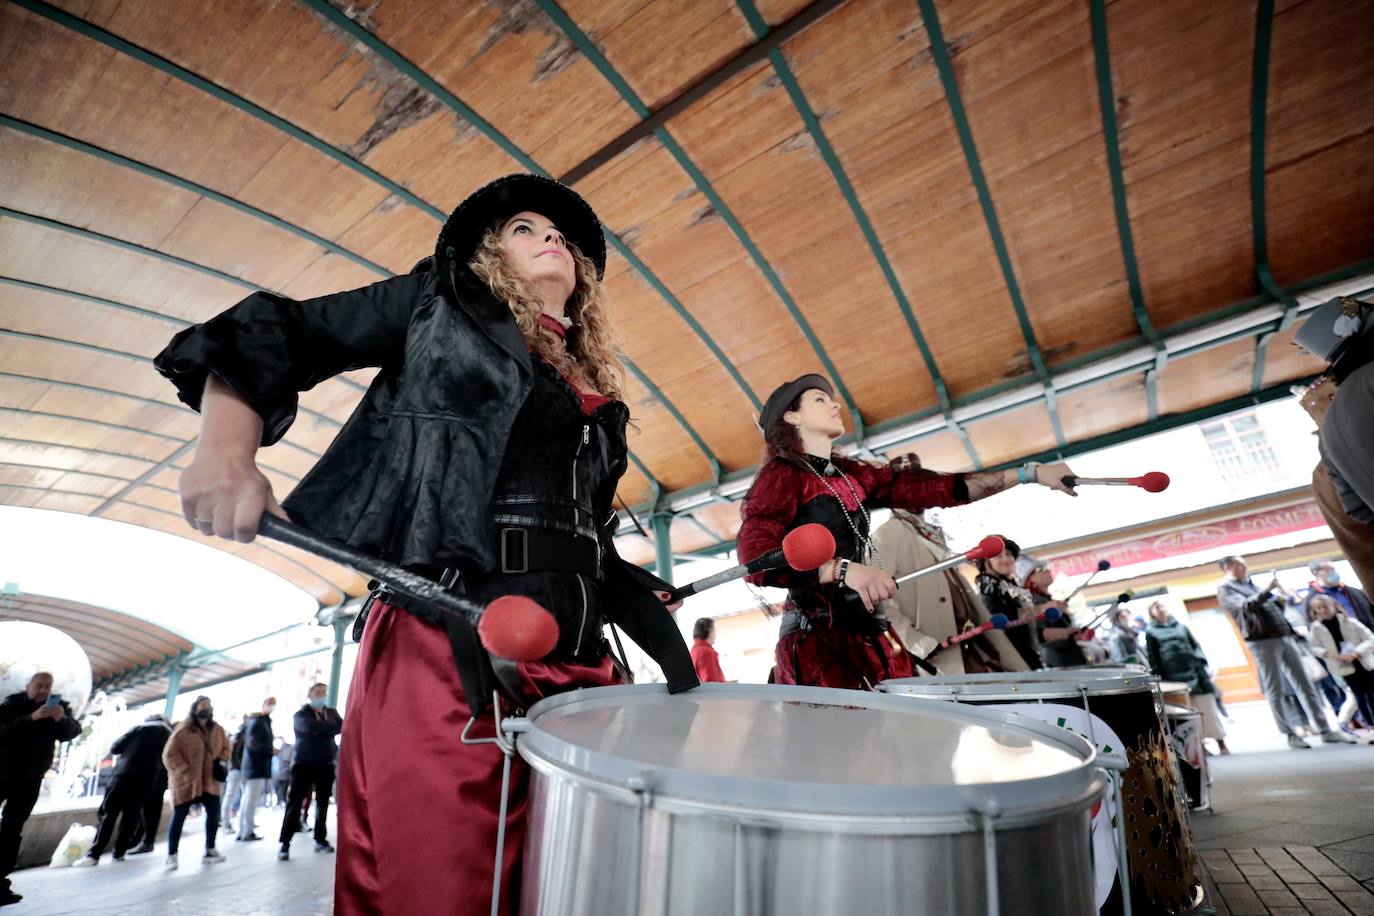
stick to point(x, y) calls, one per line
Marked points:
point(924, 610)
point(1344, 594)
point(189, 757)
point(1258, 615)
point(1175, 655)
point(140, 751)
point(257, 755)
point(1359, 636)
point(707, 662)
point(315, 733)
point(26, 746)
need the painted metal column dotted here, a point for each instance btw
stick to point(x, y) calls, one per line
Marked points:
point(173, 687)
point(341, 625)
point(663, 547)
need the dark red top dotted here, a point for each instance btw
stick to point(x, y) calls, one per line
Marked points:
point(707, 662)
point(589, 401)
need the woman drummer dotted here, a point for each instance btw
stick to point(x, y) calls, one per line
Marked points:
point(485, 454)
point(824, 641)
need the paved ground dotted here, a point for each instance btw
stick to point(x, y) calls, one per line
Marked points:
point(1292, 831)
point(249, 883)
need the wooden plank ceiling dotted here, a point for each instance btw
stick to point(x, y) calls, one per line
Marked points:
point(924, 219)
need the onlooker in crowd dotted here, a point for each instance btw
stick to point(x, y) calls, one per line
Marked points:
point(1352, 601)
point(1175, 655)
point(1348, 647)
point(704, 657)
point(140, 757)
point(1002, 594)
point(281, 771)
point(312, 770)
point(931, 609)
point(1057, 644)
point(257, 767)
point(1125, 645)
point(150, 814)
point(233, 786)
point(1259, 617)
point(197, 744)
point(31, 723)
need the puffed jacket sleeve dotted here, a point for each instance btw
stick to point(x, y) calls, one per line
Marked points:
point(771, 505)
point(268, 348)
point(913, 489)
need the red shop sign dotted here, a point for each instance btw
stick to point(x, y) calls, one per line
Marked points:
point(1187, 540)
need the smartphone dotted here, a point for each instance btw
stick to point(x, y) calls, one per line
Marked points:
point(53, 699)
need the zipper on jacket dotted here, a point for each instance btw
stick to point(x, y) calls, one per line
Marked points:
point(582, 624)
point(582, 586)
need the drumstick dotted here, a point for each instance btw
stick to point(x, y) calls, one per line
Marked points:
point(998, 622)
point(987, 548)
point(803, 549)
point(1102, 566)
point(1153, 482)
point(512, 626)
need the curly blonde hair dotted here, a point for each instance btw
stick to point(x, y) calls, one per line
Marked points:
point(589, 356)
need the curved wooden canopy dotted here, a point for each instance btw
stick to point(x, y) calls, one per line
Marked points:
point(933, 202)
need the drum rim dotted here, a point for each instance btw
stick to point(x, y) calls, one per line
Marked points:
point(1047, 684)
point(1013, 799)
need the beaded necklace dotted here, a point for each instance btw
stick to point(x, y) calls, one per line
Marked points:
point(868, 554)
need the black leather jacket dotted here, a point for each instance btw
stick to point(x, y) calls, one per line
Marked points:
point(413, 473)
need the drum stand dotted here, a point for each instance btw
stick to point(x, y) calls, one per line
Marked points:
point(507, 747)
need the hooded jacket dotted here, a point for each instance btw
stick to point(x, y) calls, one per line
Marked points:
point(140, 750)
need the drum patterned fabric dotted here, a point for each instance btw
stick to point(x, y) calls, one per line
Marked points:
point(1163, 860)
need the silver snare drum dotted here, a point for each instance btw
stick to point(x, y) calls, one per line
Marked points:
point(758, 800)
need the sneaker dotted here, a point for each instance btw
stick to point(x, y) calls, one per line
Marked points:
point(1336, 738)
point(284, 854)
point(119, 857)
point(1295, 741)
point(140, 850)
point(251, 838)
point(86, 861)
point(172, 862)
point(212, 855)
point(323, 846)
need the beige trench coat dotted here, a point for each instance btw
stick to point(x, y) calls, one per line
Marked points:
point(922, 608)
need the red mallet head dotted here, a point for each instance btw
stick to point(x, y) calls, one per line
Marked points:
point(808, 547)
point(1153, 482)
point(517, 628)
point(987, 548)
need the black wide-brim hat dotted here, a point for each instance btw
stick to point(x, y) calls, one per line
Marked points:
point(501, 199)
point(785, 394)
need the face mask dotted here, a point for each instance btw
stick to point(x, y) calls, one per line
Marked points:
point(268, 710)
point(317, 702)
point(204, 714)
point(1333, 578)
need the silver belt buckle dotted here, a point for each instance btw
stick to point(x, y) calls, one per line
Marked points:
point(524, 550)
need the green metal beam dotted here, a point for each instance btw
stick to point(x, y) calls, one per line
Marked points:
point(813, 126)
point(1106, 97)
point(341, 626)
point(945, 67)
point(663, 546)
point(1259, 104)
point(593, 54)
point(173, 688)
point(389, 54)
point(89, 149)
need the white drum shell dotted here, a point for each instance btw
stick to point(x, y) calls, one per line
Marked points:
point(612, 838)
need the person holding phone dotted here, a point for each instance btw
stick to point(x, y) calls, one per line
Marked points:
point(31, 723)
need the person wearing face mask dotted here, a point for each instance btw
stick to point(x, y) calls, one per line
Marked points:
point(1352, 601)
point(257, 767)
point(196, 758)
point(312, 770)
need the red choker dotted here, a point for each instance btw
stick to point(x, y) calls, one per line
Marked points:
point(553, 324)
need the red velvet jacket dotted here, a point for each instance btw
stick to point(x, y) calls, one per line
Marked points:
point(782, 488)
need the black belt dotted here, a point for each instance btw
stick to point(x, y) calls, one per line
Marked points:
point(525, 549)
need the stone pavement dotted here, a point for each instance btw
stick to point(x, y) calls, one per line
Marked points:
point(250, 882)
point(1291, 833)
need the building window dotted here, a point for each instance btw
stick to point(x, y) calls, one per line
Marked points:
point(1241, 451)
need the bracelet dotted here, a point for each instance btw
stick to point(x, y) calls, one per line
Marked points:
point(844, 571)
point(1026, 472)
